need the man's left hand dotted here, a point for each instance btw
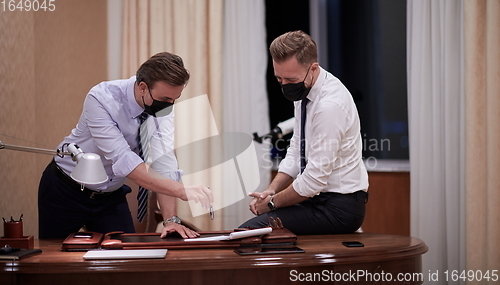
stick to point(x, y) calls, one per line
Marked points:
point(259, 205)
point(182, 230)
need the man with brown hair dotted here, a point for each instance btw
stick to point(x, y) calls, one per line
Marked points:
point(113, 113)
point(321, 186)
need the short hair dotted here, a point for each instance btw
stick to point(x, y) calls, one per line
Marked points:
point(163, 66)
point(296, 43)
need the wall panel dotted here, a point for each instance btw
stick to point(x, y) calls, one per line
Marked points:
point(48, 62)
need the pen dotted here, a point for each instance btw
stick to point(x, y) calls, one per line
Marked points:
point(212, 215)
point(11, 219)
point(4, 220)
point(21, 218)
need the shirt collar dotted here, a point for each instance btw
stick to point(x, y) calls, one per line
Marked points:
point(134, 107)
point(317, 85)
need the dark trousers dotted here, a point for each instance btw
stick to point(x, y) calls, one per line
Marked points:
point(63, 210)
point(327, 213)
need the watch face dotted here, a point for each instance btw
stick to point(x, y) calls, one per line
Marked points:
point(271, 206)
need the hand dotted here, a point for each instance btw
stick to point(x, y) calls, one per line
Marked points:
point(182, 230)
point(198, 194)
point(259, 200)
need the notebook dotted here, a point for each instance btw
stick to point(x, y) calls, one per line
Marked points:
point(16, 254)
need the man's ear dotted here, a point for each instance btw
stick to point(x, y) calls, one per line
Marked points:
point(142, 86)
point(314, 66)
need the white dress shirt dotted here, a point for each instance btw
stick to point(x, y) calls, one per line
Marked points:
point(109, 127)
point(333, 142)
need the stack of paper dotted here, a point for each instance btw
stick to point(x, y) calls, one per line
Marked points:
point(235, 235)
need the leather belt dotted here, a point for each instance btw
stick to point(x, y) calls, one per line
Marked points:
point(360, 194)
point(75, 185)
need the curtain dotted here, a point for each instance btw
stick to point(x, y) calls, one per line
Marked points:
point(436, 126)
point(135, 40)
point(222, 44)
point(482, 92)
point(245, 105)
point(191, 29)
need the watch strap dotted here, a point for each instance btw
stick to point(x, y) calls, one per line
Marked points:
point(271, 205)
point(173, 219)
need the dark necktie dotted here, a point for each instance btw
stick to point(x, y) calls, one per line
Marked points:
point(142, 196)
point(303, 115)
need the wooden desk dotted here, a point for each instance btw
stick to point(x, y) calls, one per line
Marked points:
point(324, 256)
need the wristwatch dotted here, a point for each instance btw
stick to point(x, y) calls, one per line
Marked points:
point(270, 204)
point(173, 219)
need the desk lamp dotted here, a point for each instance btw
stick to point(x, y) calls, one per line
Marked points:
point(88, 170)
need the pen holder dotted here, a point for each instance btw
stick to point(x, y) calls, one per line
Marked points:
point(13, 229)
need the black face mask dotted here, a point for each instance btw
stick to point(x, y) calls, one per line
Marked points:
point(296, 91)
point(157, 108)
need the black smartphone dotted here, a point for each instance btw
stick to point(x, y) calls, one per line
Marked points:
point(267, 250)
point(352, 244)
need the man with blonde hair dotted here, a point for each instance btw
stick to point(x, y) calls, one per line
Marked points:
point(321, 185)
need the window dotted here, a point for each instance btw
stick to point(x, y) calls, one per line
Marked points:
point(366, 48)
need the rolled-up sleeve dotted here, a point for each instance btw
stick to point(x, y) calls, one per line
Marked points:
point(108, 138)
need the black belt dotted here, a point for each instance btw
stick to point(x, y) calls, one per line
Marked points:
point(75, 185)
point(361, 194)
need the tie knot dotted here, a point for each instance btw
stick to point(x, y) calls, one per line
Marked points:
point(143, 116)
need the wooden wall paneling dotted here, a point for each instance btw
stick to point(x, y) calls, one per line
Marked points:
point(48, 63)
point(388, 207)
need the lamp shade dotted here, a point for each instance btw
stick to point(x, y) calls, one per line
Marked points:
point(89, 169)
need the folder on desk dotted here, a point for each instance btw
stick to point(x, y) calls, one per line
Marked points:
point(209, 239)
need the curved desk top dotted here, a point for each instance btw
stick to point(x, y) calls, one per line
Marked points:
point(388, 253)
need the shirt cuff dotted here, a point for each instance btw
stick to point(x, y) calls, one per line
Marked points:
point(304, 188)
point(126, 163)
point(173, 175)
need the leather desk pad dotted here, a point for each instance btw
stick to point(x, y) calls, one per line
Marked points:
point(120, 240)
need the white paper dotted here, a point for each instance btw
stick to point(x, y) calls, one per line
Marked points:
point(224, 237)
point(235, 235)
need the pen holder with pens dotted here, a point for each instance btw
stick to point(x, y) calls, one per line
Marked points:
point(13, 229)
point(13, 235)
